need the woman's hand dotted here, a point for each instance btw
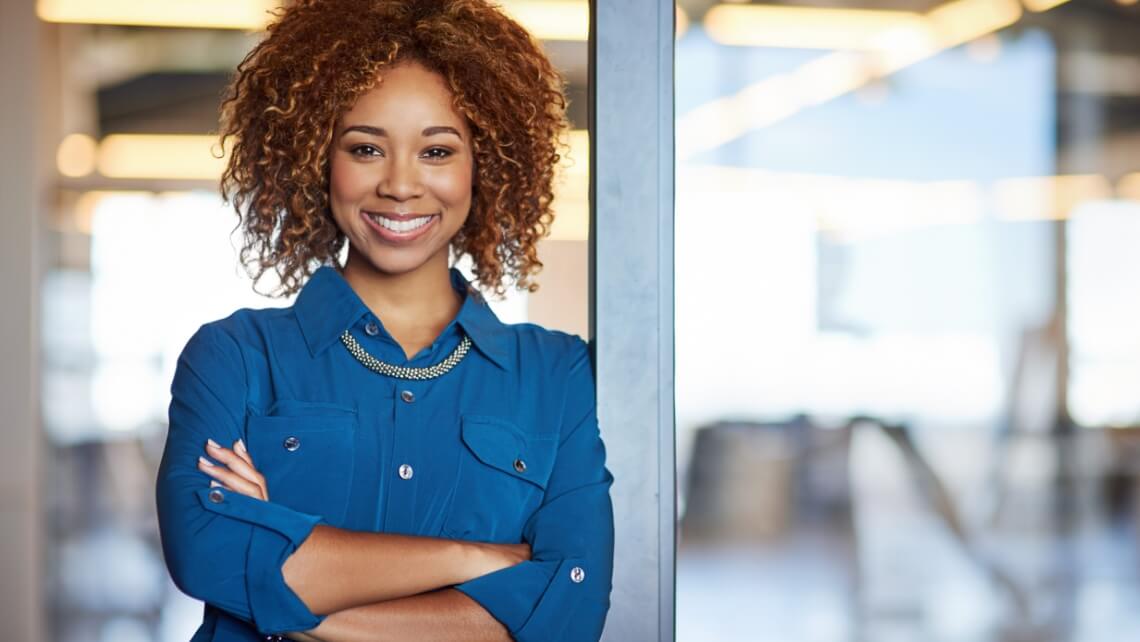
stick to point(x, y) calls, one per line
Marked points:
point(237, 472)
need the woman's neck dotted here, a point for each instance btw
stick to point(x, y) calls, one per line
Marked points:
point(422, 298)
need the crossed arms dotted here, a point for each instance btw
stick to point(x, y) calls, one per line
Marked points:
point(385, 584)
point(289, 573)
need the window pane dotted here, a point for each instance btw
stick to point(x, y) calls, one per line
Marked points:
point(905, 360)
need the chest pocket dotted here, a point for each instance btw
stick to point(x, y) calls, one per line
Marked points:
point(501, 480)
point(306, 455)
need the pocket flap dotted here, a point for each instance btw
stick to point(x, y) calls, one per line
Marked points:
point(312, 409)
point(501, 445)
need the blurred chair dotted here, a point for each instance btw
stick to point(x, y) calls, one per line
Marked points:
point(754, 482)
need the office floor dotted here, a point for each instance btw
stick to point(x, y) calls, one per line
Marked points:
point(907, 580)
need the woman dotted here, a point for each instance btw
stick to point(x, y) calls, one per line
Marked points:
point(385, 459)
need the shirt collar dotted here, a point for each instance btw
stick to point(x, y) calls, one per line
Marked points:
point(327, 306)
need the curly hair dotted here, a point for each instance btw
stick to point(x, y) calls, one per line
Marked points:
point(318, 57)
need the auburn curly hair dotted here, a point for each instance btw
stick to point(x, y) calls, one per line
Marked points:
point(319, 56)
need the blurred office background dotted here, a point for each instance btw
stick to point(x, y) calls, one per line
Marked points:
point(906, 292)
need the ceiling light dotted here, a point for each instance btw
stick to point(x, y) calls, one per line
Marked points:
point(160, 157)
point(553, 19)
point(802, 27)
point(213, 14)
point(75, 156)
point(550, 20)
point(1042, 5)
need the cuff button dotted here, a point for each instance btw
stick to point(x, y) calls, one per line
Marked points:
point(577, 575)
point(216, 496)
point(520, 466)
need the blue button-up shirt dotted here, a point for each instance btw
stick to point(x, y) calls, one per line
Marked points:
point(503, 448)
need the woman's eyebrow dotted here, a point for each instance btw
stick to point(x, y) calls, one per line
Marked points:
point(380, 131)
point(367, 129)
point(441, 129)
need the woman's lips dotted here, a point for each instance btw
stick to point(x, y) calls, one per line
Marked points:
point(393, 236)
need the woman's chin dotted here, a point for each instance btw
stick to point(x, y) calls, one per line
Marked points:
point(391, 263)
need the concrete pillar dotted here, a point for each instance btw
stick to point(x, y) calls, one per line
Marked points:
point(23, 185)
point(631, 237)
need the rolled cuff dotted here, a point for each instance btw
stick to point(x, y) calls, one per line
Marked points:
point(535, 600)
point(274, 607)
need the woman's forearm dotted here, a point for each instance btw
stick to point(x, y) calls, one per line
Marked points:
point(336, 569)
point(440, 616)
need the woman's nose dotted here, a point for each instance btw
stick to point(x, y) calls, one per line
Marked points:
point(400, 181)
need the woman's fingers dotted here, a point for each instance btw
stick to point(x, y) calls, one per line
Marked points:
point(239, 448)
point(239, 465)
point(234, 462)
point(230, 479)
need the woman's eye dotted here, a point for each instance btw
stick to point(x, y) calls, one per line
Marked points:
point(365, 150)
point(437, 153)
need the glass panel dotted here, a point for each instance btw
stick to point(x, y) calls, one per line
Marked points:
point(903, 299)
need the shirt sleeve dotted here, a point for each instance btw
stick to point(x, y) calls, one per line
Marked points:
point(222, 547)
point(563, 592)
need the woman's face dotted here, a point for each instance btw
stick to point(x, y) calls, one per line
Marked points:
point(401, 171)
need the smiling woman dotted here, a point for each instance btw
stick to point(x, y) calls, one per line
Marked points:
point(400, 173)
point(385, 459)
point(294, 89)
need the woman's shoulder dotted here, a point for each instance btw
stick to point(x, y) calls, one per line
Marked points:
point(550, 350)
point(248, 319)
point(533, 337)
point(242, 328)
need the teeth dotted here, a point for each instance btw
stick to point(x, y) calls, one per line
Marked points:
point(400, 227)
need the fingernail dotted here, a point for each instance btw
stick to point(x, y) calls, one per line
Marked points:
point(212, 443)
point(240, 446)
point(215, 483)
point(206, 462)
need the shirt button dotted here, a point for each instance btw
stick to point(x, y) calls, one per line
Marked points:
point(577, 575)
point(406, 471)
point(216, 496)
point(291, 443)
point(520, 465)
point(371, 329)
point(408, 396)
